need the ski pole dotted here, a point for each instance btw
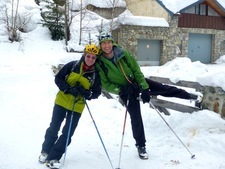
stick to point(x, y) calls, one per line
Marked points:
point(151, 105)
point(99, 134)
point(68, 135)
point(124, 125)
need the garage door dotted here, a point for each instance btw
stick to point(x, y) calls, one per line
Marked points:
point(200, 47)
point(148, 52)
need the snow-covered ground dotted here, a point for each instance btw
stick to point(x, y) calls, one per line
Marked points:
point(27, 93)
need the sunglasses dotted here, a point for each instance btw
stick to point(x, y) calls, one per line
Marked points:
point(92, 57)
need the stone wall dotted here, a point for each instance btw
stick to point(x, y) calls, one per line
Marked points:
point(127, 37)
point(214, 99)
point(106, 12)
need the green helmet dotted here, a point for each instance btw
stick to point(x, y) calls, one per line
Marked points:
point(105, 36)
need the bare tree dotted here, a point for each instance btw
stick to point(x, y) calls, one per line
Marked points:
point(82, 27)
point(69, 15)
point(12, 29)
point(112, 3)
point(66, 22)
point(81, 19)
point(101, 27)
point(14, 20)
point(23, 19)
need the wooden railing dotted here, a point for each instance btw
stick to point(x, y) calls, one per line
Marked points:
point(200, 21)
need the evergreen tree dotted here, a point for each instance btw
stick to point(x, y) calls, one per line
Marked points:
point(53, 18)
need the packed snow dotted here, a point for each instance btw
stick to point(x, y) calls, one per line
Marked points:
point(27, 93)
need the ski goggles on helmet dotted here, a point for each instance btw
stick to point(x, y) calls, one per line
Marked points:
point(105, 36)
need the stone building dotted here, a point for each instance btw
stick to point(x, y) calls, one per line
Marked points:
point(196, 31)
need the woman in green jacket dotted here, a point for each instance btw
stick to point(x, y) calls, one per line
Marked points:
point(77, 81)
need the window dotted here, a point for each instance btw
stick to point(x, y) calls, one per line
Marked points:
point(202, 9)
point(211, 12)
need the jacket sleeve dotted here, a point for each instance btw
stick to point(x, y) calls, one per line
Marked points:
point(60, 78)
point(134, 66)
point(96, 87)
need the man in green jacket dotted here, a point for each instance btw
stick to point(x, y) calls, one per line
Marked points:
point(120, 74)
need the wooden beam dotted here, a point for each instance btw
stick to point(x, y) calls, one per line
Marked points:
point(213, 5)
point(174, 106)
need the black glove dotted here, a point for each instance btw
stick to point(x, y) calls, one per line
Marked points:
point(73, 91)
point(85, 93)
point(88, 95)
point(130, 89)
point(145, 96)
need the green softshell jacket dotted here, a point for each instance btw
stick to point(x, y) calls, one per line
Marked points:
point(112, 77)
point(71, 74)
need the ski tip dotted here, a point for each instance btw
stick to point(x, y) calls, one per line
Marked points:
point(193, 156)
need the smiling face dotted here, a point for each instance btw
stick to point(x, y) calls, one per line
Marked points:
point(90, 59)
point(107, 48)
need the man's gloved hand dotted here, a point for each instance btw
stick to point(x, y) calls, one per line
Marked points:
point(130, 89)
point(123, 91)
point(145, 96)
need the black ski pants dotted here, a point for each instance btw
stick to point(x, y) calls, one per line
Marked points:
point(53, 145)
point(136, 119)
point(135, 110)
point(166, 90)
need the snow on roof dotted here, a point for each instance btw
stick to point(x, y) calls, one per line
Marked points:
point(175, 6)
point(104, 3)
point(143, 21)
point(98, 3)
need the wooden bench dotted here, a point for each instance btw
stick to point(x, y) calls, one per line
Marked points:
point(162, 105)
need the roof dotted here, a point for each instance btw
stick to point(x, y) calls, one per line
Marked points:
point(177, 6)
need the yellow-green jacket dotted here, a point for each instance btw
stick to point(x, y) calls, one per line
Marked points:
point(71, 74)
